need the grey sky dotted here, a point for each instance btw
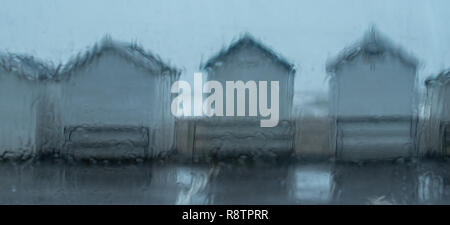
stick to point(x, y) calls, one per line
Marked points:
point(187, 32)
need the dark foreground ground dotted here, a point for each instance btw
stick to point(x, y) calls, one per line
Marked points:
point(425, 182)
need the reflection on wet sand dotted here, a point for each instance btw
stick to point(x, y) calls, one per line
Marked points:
point(240, 184)
point(375, 183)
point(168, 183)
point(193, 183)
point(430, 187)
point(312, 184)
point(433, 183)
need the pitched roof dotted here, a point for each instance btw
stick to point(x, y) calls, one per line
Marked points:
point(245, 41)
point(27, 67)
point(129, 51)
point(442, 78)
point(373, 43)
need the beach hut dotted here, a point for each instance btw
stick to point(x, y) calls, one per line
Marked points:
point(435, 135)
point(247, 59)
point(373, 100)
point(27, 119)
point(115, 103)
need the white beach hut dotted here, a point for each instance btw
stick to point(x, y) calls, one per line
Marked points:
point(373, 100)
point(115, 103)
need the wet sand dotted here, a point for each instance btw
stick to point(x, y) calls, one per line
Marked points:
point(425, 182)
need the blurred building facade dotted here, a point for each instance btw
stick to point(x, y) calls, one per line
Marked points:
point(373, 100)
point(115, 103)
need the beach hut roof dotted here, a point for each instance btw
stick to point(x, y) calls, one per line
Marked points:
point(26, 66)
point(247, 40)
point(372, 43)
point(442, 78)
point(129, 51)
